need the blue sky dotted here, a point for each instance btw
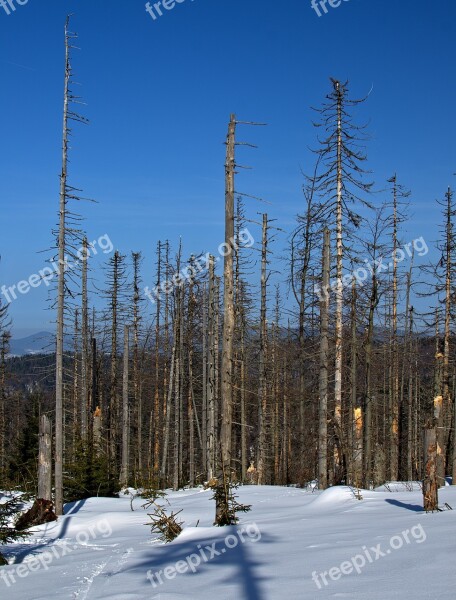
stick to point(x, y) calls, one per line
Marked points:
point(159, 94)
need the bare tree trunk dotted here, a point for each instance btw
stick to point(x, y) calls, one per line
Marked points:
point(324, 361)
point(368, 400)
point(353, 430)
point(240, 342)
point(211, 384)
point(410, 402)
point(276, 425)
point(85, 345)
point(168, 408)
point(430, 483)
point(217, 385)
point(124, 472)
point(454, 431)
point(58, 465)
point(395, 407)
point(242, 383)
point(338, 454)
point(358, 446)
point(96, 422)
point(4, 348)
point(76, 430)
point(190, 392)
point(181, 385)
point(228, 318)
point(204, 411)
point(155, 415)
point(442, 434)
point(286, 428)
point(136, 256)
point(177, 436)
point(407, 346)
point(45, 460)
point(262, 467)
point(113, 391)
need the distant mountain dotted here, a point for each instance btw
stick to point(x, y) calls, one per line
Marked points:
point(42, 342)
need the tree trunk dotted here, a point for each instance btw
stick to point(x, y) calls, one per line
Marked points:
point(228, 318)
point(136, 256)
point(262, 466)
point(338, 454)
point(45, 460)
point(58, 463)
point(324, 362)
point(124, 472)
point(155, 419)
point(85, 345)
point(211, 384)
point(430, 483)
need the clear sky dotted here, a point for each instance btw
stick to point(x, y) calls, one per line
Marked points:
point(159, 94)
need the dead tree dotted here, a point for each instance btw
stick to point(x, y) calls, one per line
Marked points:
point(228, 315)
point(240, 359)
point(156, 414)
point(191, 409)
point(341, 183)
point(115, 294)
point(61, 289)
point(430, 483)
point(449, 277)
point(168, 407)
point(398, 194)
point(66, 193)
point(263, 416)
point(125, 459)
point(324, 367)
point(85, 345)
point(76, 397)
point(212, 336)
point(137, 397)
point(45, 460)
point(178, 412)
point(354, 445)
point(4, 349)
point(443, 286)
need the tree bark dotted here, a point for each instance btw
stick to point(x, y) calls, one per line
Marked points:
point(45, 460)
point(58, 464)
point(124, 472)
point(430, 483)
point(324, 364)
point(228, 317)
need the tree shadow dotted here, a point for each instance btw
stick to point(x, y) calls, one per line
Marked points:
point(412, 507)
point(25, 550)
point(239, 556)
point(73, 507)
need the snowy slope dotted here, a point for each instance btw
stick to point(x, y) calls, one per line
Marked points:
point(382, 546)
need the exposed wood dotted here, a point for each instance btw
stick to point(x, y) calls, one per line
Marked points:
point(45, 459)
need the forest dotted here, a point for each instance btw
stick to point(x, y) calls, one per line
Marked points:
point(291, 365)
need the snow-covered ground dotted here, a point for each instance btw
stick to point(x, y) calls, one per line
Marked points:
point(294, 544)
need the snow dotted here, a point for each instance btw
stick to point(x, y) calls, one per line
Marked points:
point(101, 549)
